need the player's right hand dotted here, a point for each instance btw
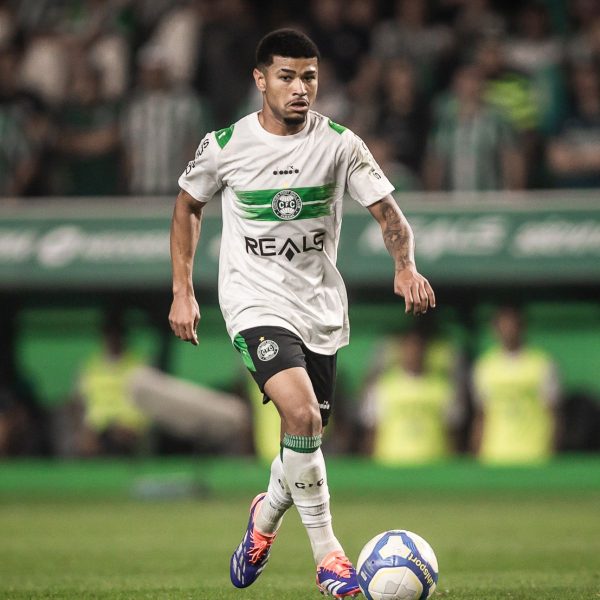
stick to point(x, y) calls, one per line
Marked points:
point(184, 318)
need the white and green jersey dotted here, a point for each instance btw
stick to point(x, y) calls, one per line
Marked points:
point(282, 211)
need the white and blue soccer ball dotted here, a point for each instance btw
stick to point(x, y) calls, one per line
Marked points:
point(397, 565)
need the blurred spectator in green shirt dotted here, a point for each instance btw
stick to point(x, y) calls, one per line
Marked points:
point(574, 153)
point(403, 119)
point(160, 127)
point(89, 136)
point(472, 147)
point(17, 152)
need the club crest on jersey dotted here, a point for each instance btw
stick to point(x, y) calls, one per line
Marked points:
point(286, 204)
point(267, 350)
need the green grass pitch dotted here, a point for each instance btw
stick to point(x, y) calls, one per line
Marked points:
point(493, 540)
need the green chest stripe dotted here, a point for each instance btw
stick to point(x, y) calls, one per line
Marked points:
point(320, 193)
point(311, 211)
point(288, 203)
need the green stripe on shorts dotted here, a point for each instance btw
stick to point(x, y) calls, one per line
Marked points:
point(241, 346)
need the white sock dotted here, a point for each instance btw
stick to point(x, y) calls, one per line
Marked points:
point(307, 479)
point(276, 502)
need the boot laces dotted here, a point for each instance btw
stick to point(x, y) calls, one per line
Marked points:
point(260, 545)
point(339, 564)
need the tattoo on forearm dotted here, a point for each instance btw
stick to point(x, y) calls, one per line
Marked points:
point(398, 237)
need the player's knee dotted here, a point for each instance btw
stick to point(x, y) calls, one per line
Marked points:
point(304, 419)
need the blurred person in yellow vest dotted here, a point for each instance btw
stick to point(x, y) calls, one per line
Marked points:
point(516, 393)
point(410, 408)
point(265, 422)
point(112, 424)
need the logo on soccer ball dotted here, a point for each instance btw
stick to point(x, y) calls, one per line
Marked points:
point(286, 204)
point(267, 350)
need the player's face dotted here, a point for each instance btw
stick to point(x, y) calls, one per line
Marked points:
point(289, 87)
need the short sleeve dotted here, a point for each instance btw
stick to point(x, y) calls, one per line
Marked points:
point(200, 178)
point(365, 181)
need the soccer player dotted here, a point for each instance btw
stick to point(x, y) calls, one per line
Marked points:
point(282, 173)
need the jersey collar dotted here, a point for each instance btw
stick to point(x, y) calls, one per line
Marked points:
point(278, 140)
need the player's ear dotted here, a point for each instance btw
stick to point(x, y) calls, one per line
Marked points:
point(259, 79)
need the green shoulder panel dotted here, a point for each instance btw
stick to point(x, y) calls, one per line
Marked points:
point(224, 135)
point(339, 128)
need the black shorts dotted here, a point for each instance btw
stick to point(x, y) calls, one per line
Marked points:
point(268, 350)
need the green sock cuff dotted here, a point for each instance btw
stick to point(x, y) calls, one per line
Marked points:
point(301, 443)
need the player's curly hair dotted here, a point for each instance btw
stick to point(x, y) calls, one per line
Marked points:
point(285, 42)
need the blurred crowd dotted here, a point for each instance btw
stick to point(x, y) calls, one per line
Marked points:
point(110, 97)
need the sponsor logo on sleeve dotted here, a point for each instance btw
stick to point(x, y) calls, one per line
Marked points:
point(192, 164)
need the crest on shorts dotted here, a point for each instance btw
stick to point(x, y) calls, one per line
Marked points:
point(286, 204)
point(267, 350)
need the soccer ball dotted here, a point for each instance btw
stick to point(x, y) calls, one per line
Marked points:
point(397, 565)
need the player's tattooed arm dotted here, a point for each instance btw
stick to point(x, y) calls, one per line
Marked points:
point(185, 233)
point(397, 235)
point(399, 241)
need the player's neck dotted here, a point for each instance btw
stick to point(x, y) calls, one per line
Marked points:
point(271, 123)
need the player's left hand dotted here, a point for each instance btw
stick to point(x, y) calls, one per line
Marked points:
point(415, 289)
